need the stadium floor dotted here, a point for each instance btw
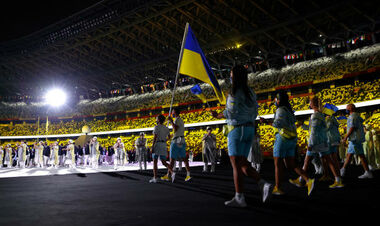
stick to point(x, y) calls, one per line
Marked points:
point(126, 198)
point(51, 171)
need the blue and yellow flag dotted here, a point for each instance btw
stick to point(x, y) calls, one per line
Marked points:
point(329, 109)
point(342, 119)
point(196, 90)
point(193, 63)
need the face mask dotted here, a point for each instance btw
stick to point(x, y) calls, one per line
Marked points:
point(231, 80)
point(347, 111)
point(275, 104)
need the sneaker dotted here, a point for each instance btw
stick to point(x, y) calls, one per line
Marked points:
point(153, 180)
point(342, 172)
point(277, 191)
point(258, 168)
point(266, 191)
point(173, 177)
point(337, 185)
point(165, 178)
point(296, 182)
point(188, 178)
point(366, 175)
point(310, 186)
point(234, 202)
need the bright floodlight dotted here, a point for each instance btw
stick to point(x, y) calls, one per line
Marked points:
point(55, 97)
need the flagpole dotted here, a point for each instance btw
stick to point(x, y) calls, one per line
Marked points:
point(178, 66)
point(47, 126)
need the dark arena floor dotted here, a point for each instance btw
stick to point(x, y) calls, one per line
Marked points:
point(127, 198)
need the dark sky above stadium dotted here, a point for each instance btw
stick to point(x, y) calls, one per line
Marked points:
point(20, 18)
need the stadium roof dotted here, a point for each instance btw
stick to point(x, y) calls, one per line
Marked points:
point(116, 44)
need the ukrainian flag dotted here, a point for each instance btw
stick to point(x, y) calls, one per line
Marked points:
point(196, 90)
point(342, 119)
point(329, 109)
point(193, 63)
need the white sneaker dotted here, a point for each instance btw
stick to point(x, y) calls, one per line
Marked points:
point(320, 170)
point(342, 172)
point(173, 177)
point(153, 180)
point(366, 175)
point(266, 191)
point(234, 202)
point(258, 168)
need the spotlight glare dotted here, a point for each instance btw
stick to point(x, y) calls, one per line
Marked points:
point(55, 97)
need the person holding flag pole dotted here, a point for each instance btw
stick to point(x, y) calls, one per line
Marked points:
point(178, 144)
point(192, 62)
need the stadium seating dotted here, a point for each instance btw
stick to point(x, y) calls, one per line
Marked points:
point(314, 71)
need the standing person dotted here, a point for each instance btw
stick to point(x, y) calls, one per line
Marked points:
point(31, 155)
point(141, 153)
point(161, 134)
point(14, 156)
point(80, 155)
point(285, 143)
point(69, 159)
point(8, 156)
point(355, 137)
point(21, 155)
point(241, 112)
point(177, 145)
point(102, 152)
point(54, 148)
point(119, 153)
point(368, 147)
point(46, 154)
point(209, 150)
point(86, 154)
point(94, 152)
point(38, 147)
point(1, 156)
point(61, 155)
point(28, 155)
point(255, 156)
point(376, 147)
point(24, 154)
point(110, 155)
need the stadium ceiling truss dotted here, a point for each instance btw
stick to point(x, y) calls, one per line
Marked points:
point(116, 44)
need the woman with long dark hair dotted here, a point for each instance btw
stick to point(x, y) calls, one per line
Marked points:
point(241, 113)
point(285, 143)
